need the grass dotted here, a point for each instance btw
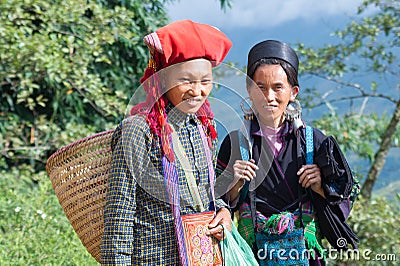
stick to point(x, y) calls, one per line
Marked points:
point(34, 229)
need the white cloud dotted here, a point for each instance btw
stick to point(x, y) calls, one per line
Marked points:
point(260, 13)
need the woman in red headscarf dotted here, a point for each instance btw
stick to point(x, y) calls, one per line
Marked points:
point(164, 153)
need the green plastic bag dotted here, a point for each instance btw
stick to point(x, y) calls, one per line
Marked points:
point(235, 250)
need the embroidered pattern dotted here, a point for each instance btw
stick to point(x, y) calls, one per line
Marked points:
point(202, 250)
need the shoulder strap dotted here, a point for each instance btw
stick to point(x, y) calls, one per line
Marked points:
point(309, 135)
point(180, 154)
point(309, 145)
point(244, 152)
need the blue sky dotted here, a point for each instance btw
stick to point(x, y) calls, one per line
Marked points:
point(250, 21)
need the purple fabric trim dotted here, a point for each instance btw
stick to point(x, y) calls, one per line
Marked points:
point(172, 187)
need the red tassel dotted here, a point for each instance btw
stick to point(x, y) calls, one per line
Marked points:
point(161, 120)
point(213, 132)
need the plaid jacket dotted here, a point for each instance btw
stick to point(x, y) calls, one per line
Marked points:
point(138, 222)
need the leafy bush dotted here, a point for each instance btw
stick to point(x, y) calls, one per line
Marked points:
point(377, 225)
point(67, 65)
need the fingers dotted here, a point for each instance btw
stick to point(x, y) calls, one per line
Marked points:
point(310, 175)
point(310, 180)
point(245, 170)
point(223, 216)
point(217, 232)
point(220, 222)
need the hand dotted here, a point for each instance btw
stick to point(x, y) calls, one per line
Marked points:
point(310, 176)
point(223, 217)
point(244, 170)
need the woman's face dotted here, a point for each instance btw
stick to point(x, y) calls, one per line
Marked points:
point(188, 84)
point(271, 93)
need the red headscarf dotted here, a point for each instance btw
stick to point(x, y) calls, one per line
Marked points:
point(175, 43)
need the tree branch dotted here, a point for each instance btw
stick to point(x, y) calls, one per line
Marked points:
point(355, 97)
point(381, 154)
point(362, 92)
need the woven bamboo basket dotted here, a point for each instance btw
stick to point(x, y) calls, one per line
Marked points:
point(79, 174)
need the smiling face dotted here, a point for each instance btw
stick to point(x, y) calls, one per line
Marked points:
point(189, 84)
point(271, 93)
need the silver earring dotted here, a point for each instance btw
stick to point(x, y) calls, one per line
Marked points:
point(293, 113)
point(242, 103)
point(248, 112)
point(293, 110)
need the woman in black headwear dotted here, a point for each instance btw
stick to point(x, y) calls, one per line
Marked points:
point(275, 190)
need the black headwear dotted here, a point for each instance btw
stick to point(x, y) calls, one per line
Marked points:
point(271, 49)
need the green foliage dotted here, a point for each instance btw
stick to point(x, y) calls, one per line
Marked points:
point(360, 71)
point(67, 66)
point(354, 132)
point(34, 229)
point(376, 224)
point(225, 4)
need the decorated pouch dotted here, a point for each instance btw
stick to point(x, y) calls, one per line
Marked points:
point(282, 249)
point(202, 250)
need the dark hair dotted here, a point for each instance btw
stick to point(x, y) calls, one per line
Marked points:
point(291, 73)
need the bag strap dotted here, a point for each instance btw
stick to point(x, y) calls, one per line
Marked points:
point(244, 152)
point(309, 145)
point(187, 168)
point(309, 134)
